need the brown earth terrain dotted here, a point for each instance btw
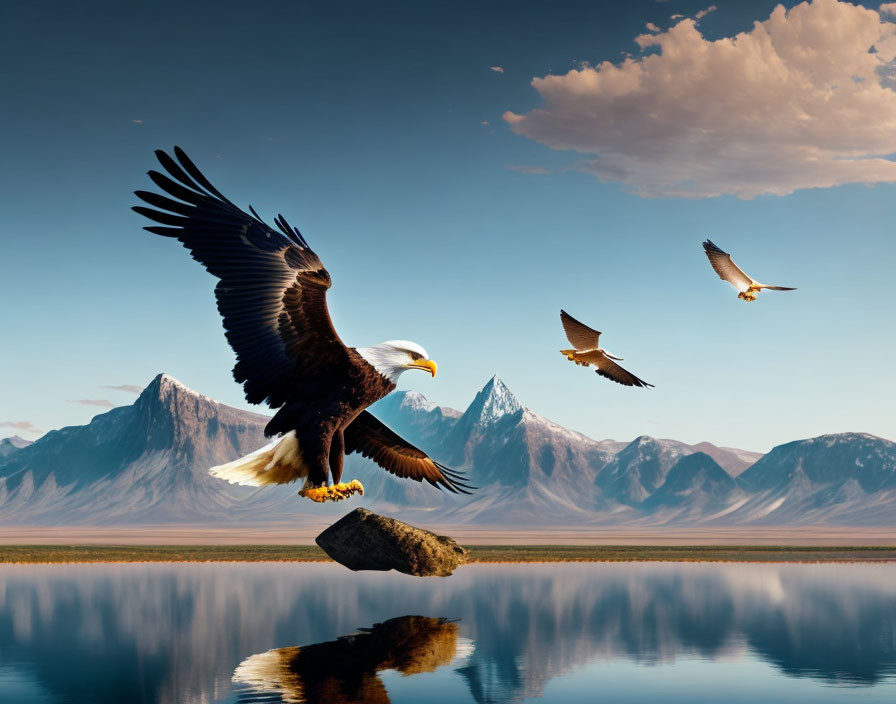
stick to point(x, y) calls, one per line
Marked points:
point(305, 533)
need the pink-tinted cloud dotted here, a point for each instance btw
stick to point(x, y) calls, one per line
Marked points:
point(802, 100)
point(527, 169)
point(130, 388)
point(497, 69)
point(651, 27)
point(99, 402)
point(703, 13)
point(24, 425)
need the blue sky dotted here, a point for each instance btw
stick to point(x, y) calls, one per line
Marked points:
point(365, 126)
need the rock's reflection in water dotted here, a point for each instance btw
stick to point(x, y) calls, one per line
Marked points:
point(345, 670)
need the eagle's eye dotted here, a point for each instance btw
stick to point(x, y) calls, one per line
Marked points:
point(415, 357)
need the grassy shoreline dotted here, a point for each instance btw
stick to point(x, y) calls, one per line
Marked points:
point(64, 554)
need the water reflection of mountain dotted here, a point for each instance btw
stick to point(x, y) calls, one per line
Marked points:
point(174, 633)
point(346, 670)
point(831, 622)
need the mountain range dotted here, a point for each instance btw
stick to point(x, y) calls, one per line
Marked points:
point(147, 464)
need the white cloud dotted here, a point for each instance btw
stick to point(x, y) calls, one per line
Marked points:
point(527, 169)
point(483, 122)
point(497, 69)
point(703, 13)
point(651, 27)
point(800, 101)
point(137, 122)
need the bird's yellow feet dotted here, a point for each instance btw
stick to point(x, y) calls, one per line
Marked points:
point(336, 492)
point(316, 493)
point(343, 490)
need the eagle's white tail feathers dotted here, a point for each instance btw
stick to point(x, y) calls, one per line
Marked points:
point(277, 462)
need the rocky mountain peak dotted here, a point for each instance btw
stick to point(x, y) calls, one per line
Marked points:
point(493, 402)
point(165, 387)
point(171, 415)
point(415, 401)
point(695, 464)
point(11, 444)
point(165, 396)
point(833, 439)
point(696, 483)
point(826, 460)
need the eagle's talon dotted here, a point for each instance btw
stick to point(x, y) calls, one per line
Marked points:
point(318, 494)
point(335, 492)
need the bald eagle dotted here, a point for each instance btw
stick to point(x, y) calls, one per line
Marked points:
point(587, 352)
point(727, 270)
point(271, 295)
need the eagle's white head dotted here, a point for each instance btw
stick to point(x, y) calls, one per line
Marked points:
point(396, 356)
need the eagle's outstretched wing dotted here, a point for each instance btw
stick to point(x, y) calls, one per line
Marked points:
point(608, 368)
point(368, 436)
point(272, 289)
point(727, 269)
point(580, 335)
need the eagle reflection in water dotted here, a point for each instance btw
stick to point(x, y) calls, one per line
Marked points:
point(345, 670)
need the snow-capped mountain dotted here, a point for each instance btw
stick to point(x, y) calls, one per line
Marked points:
point(422, 422)
point(522, 463)
point(491, 404)
point(11, 444)
point(638, 470)
point(845, 477)
point(530, 465)
point(141, 463)
point(147, 463)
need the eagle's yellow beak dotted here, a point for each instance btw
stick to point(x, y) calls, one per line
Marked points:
point(426, 365)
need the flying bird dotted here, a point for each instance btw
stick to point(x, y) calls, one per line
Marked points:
point(271, 295)
point(587, 352)
point(727, 270)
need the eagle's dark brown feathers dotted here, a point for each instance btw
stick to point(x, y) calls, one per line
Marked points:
point(371, 438)
point(271, 294)
point(272, 288)
point(579, 335)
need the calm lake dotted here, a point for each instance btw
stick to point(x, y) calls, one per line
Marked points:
point(624, 632)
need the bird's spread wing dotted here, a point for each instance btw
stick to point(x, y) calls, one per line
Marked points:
point(368, 436)
point(608, 368)
point(777, 288)
point(727, 269)
point(272, 288)
point(580, 335)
